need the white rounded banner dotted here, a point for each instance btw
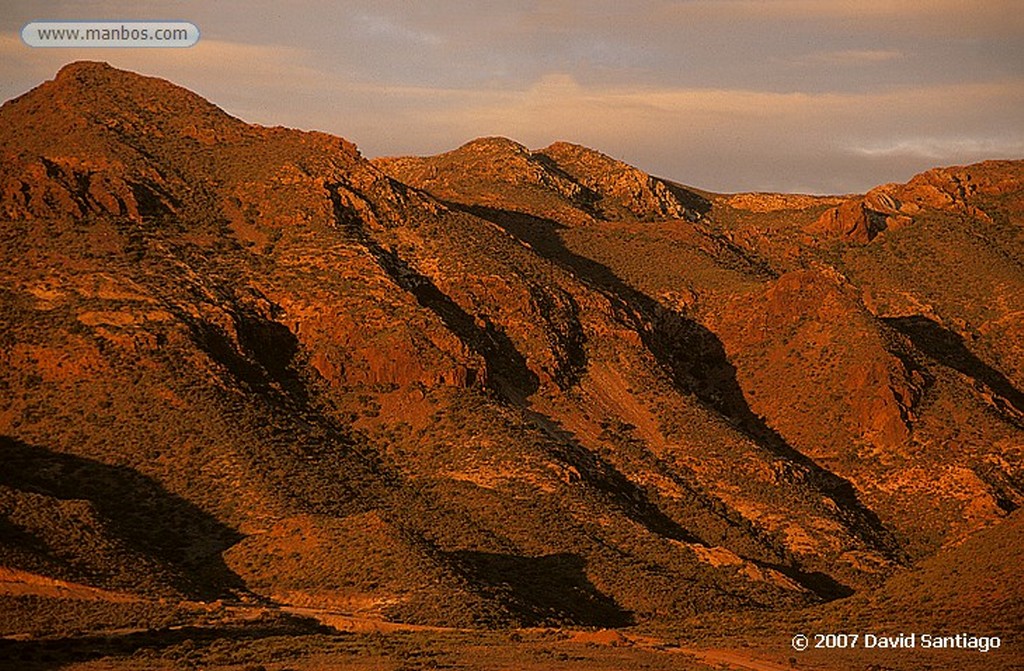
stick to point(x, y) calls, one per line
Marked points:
point(110, 34)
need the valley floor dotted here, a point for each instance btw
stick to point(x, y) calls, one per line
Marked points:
point(247, 637)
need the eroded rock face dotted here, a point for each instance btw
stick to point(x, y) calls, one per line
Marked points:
point(624, 191)
point(892, 206)
point(854, 220)
point(809, 332)
point(491, 172)
point(62, 189)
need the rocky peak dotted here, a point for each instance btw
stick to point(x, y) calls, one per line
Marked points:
point(122, 100)
point(90, 72)
point(572, 181)
point(624, 190)
point(134, 146)
point(493, 145)
point(507, 160)
point(954, 190)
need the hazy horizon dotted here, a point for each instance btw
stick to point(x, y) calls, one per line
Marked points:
point(733, 95)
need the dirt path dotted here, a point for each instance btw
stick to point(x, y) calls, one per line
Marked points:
point(733, 659)
point(14, 582)
point(357, 623)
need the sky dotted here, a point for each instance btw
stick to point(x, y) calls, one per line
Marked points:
point(812, 96)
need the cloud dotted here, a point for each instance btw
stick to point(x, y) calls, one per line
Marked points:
point(715, 137)
point(851, 57)
point(991, 18)
point(936, 148)
point(383, 26)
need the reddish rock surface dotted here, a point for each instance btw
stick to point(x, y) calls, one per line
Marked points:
point(960, 191)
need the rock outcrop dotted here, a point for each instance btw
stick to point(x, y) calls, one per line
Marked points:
point(955, 191)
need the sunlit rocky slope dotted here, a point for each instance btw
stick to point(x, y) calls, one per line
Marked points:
point(492, 387)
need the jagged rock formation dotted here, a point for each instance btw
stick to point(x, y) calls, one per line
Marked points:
point(949, 190)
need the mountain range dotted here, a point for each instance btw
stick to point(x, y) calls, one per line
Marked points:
point(247, 368)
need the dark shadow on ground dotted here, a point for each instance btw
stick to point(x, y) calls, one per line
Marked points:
point(506, 366)
point(57, 652)
point(264, 358)
point(552, 590)
point(948, 349)
point(822, 584)
point(690, 199)
point(134, 508)
point(604, 477)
